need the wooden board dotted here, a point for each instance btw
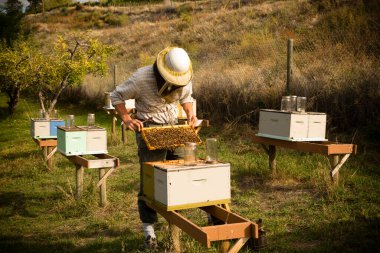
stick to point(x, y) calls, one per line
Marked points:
point(46, 142)
point(324, 147)
point(169, 137)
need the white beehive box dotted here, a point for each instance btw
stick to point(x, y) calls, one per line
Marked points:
point(292, 126)
point(175, 186)
point(40, 128)
point(45, 128)
point(82, 140)
point(96, 142)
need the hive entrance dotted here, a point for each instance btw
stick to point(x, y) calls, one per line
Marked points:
point(169, 137)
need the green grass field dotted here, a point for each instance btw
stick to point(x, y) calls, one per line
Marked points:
point(302, 211)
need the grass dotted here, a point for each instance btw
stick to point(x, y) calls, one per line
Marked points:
point(301, 209)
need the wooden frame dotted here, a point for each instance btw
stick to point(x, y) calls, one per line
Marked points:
point(49, 147)
point(103, 161)
point(145, 130)
point(338, 153)
point(235, 227)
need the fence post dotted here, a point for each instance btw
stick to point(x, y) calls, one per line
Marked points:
point(114, 75)
point(239, 4)
point(289, 65)
point(211, 5)
point(130, 6)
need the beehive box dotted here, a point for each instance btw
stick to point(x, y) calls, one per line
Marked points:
point(169, 137)
point(45, 128)
point(292, 126)
point(96, 140)
point(82, 140)
point(175, 186)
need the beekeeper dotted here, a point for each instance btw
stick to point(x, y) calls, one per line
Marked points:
point(157, 89)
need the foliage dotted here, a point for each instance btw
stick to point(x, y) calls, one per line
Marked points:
point(36, 6)
point(18, 67)
point(68, 63)
point(11, 22)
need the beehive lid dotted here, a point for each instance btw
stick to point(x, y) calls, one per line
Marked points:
point(169, 137)
point(178, 165)
point(39, 119)
point(71, 129)
point(91, 128)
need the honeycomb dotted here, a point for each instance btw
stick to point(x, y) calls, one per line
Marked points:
point(169, 137)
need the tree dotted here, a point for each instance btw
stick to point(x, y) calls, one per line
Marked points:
point(70, 60)
point(49, 73)
point(10, 22)
point(18, 65)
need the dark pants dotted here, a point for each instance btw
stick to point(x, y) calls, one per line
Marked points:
point(147, 214)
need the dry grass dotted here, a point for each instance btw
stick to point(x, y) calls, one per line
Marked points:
point(239, 55)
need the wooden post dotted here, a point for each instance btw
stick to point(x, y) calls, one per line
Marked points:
point(79, 181)
point(45, 152)
point(114, 75)
point(272, 158)
point(103, 188)
point(113, 129)
point(130, 6)
point(224, 246)
point(334, 161)
point(175, 234)
point(289, 66)
point(210, 4)
point(123, 133)
point(239, 4)
point(49, 161)
point(195, 4)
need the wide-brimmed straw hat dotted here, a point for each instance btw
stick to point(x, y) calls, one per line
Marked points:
point(174, 66)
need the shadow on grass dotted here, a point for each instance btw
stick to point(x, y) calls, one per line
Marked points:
point(93, 241)
point(361, 235)
point(4, 113)
point(23, 154)
point(17, 203)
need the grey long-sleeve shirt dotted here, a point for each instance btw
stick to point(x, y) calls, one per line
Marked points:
point(142, 87)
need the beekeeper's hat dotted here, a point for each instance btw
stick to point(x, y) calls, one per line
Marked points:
point(174, 66)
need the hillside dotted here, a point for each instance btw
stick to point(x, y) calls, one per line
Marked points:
point(239, 54)
point(239, 58)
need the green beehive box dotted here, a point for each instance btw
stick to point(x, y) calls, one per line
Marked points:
point(72, 141)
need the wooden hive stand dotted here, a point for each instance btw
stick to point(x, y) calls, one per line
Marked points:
point(101, 162)
point(49, 147)
point(338, 153)
point(235, 227)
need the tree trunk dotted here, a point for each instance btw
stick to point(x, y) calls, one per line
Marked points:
point(14, 95)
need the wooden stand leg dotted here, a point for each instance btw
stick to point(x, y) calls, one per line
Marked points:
point(45, 152)
point(225, 245)
point(103, 188)
point(272, 158)
point(113, 129)
point(334, 161)
point(79, 181)
point(175, 233)
point(123, 133)
point(49, 161)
